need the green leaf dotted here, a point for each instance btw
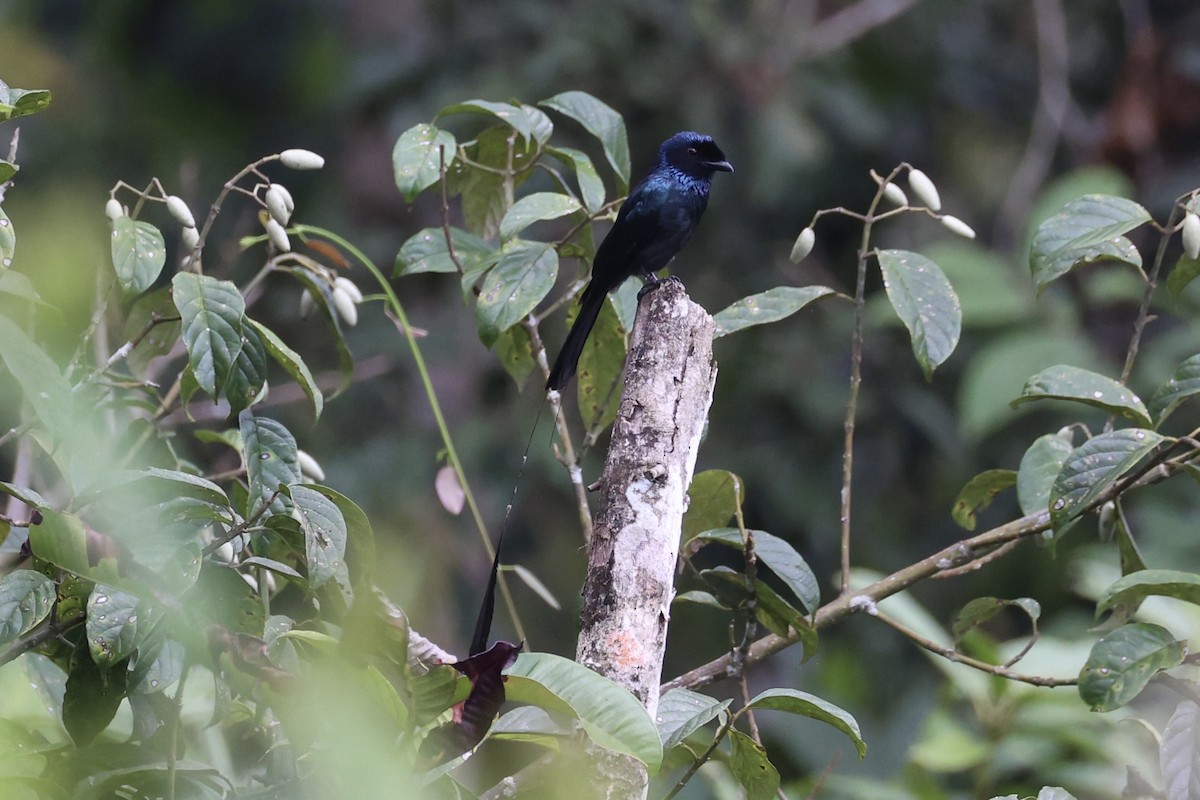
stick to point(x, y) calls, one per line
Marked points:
point(292, 363)
point(526, 120)
point(417, 158)
point(8, 240)
point(514, 348)
point(781, 557)
point(611, 716)
point(15, 284)
point(981, 609)
point(26, 597)
point(322, 294)
point(535, 208)
point(979, 493)
point(682, 712)
point(360, 538)
point(91, 699)
point(1039, 467)
point(807, 705)
point(138, 253)
point(426, 251)
point(270, 455)
point(435, 691)
point(926, 304)
point(19, 102)
point(112, 625)
point(249, 373)
point(602, 122)
point(591, 187)
point(601, 370)
point(212, 313)
point(1123, 662)
point(1137, 586)
point(514, 287)
point(1185, 271)
point(764, 307)
point(325, 533)
point(1179, 753)
point(1093, 467)
point(749, 764)
point(1088, 229)
point(1063, 382)
point(157, 339)
point(1184, 383)
point(27, 496)
point(7, 171)
point(782, 618)
point(713, 499)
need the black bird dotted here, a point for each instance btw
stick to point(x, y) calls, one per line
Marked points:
point(654, 223)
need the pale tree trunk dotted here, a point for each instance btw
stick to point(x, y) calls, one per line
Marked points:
point(669, 379)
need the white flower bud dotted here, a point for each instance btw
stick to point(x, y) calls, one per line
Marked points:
point(180, 211)
point(113, 209)
point(1191, 235)
point(278, 236)
point(301, 159)
point(306, 303)
point(348, 286)
point(894, 193)
point(345, 306)
point(309, 467)
point(958, 226)
point(276, 205)
point(282, 191)
point(924, 189)
point(224, 553)
point(190, 238)
point(804, 245)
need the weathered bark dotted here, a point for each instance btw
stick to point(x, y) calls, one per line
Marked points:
point(669, 379)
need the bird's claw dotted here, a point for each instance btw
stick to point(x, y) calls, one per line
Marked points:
point(653, 282)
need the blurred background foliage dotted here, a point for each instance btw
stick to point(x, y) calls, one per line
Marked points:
point(1011, 107)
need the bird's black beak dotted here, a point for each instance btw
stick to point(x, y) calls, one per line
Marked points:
point(719, 166)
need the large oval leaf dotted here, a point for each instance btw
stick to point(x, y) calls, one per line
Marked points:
point(979, 493)
point(602, 122)
point(749, 764)
point(1179, 755)
point(292, 363)
point(807, 705)
point(249, 373)
point(682, 712)
point(526, 120)
point(325, 533)
point(1087, 230)
point(426, 251)
point(270, 455)
point(138, 253)
point(211, 313)
point(1131, 589)
point(1093, 467)
point(417, 158)
point(535, 208)
point(713, 499)
point(513, 288)
point(1123, 662)
point(787, 564)
point(112, 625)
point(1063, 382)
point(925, 302)
point(612, 717)
point(769, 306)
point(591, 187)
point(26, 597)
point(1184, 383)
point(1039, 467)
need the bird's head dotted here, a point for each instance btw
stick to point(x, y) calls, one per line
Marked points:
point(693, 154)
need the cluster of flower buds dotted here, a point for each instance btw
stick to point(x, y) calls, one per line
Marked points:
point(344, 297)
point(278, 199)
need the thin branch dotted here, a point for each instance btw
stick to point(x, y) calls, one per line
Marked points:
point(977, 563)
point(1143, 317)
point(950, 654)
point(702, 760)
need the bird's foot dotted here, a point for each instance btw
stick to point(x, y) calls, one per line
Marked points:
point(653, 282)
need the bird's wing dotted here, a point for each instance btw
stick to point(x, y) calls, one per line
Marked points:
point(653, 224)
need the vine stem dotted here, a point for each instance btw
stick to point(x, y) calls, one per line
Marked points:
point(401, 320)
point(1144, 316)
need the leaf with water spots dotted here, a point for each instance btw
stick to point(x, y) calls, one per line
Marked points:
point(1039, 468)
point(112, 625)
point(26, 597)
point(325, 533)
point(138, 253)
point(1184, 383)
point(8, 241)
point(1123, 662)
point(769, 306)
point(1089, 229)
point(513, 288)
point(535, 208)
point(417, 158)
point(426, 251)
point(270, 456)
point(211, 313)
point(925, 302)
point(1063, 382)
point(1094, 466)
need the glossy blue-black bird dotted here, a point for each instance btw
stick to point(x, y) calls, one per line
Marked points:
point(654, 223)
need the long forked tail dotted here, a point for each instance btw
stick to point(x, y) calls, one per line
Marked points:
point(568, 357)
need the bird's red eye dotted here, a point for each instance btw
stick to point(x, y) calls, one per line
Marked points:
point(691, 151)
